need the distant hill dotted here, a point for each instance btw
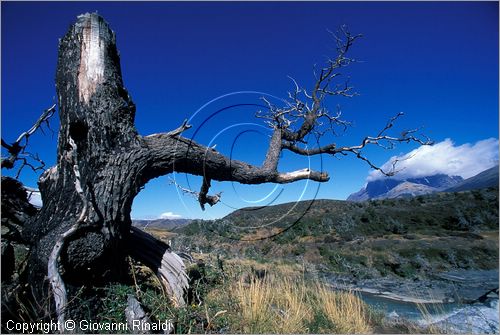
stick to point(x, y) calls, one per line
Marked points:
point(487, 178)
point(411, 238)
point(166, 224)
point(391, 188)
point(429, 214)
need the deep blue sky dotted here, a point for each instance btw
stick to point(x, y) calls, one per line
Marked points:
point(436, 62)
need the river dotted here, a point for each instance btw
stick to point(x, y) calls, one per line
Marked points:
point(478, 318)
point(407, 310)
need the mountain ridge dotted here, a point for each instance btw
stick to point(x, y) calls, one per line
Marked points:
point(487, 178)
point(168, 224)
point(390, 188)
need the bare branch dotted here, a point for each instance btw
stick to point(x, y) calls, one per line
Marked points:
point(183, 127)
point(308, 108)
point(315, 119)
point(202, 196)
point(24, 162)
point(173, 133)
point(183, 189)
point(46, 115)
point(191, 157)
point(289, 177)
point(327, 149)
point(304, 113)
point(381, 140)
point(273, 152)
point(18, 148)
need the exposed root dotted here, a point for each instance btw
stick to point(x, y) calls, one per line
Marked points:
point(56, 281)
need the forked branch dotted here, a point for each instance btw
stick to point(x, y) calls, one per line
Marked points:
point(305, 113)
point(203, 197)
point(381, 140)
point(17, 149)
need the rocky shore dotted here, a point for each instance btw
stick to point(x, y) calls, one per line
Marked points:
point(460, 286)
point(466, 300)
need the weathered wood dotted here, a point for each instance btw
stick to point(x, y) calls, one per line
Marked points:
point(157, 255)
point(114, 163)
point(56, 282)
point(135, 315)
point(95, 111)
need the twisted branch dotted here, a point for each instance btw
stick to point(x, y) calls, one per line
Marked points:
point(203, 197)
point(305, 114)
point(17, 149)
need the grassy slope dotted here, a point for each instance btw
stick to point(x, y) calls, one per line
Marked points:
point(235, 301)
point(402, 237)
point(405, 238)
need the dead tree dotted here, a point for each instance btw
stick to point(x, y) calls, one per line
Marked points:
point(83, 231)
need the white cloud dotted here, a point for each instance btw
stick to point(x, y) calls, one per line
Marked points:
point(166, 215)
point(34, 196)
point(465, 160)
point(144, 217)
point(169, 215)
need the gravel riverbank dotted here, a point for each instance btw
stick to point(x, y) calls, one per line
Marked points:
point(461, 286)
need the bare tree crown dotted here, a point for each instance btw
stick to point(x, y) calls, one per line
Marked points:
point(305, 114)
point(303, 117)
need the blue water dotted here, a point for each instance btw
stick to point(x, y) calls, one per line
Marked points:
point(407, 310)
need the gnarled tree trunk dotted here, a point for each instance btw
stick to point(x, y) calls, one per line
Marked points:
point(83, 230)
point(102, 163)
point(98, 143)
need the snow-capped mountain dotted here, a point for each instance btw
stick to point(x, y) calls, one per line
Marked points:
point(388, 188)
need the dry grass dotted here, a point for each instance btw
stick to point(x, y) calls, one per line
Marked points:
point(254, 301)
point(345, 310)
point(273, 306)
point(428, 316)
point(238, 267)
point(294, 308)
point(283, 304)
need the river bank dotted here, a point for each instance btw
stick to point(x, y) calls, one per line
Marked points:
point(478, 318)
point(459, 301)
point(460, 286)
